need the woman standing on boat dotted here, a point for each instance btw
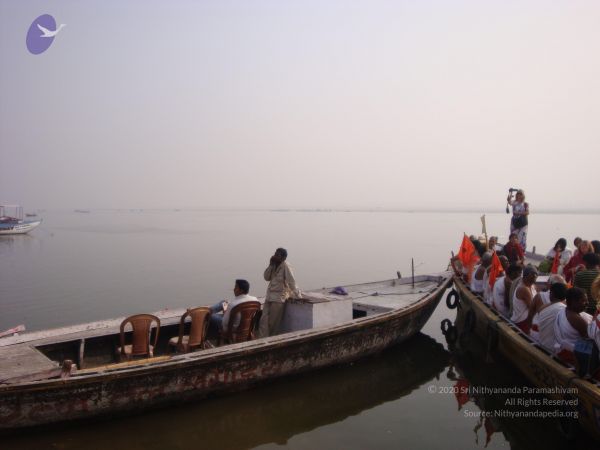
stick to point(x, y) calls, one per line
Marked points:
point(519, 221)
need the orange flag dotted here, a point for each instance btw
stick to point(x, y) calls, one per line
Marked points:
point(461, 392)
point(489, 430)
point(495, 269)
point(467, 255)
point(555, 262)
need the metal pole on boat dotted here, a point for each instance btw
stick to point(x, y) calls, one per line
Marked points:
point(484, 231)
point(412, 265)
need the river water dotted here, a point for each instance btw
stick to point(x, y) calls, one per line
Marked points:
point(79, 267)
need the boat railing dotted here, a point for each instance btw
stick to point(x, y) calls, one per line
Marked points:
point(11, 212)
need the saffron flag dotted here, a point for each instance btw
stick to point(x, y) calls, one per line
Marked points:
point(489, 430)
point(461, 392)
point(495, 269)
point(467, 255)
point(555, 262)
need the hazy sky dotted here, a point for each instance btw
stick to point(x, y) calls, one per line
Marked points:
point(392, 104)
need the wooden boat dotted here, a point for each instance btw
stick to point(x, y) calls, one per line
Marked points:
point(557, 379)
point(15, 224)
point(329, 396)
point(35, 389)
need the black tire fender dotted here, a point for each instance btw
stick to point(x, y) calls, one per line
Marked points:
point(445, 326)
point(452, 299)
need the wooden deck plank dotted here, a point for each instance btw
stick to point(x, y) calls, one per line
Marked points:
point(137, 362)
point(21, 360)
point(393, 297)
point(84, 331)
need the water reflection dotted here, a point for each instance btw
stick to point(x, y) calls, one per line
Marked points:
point(269, 414)
point(11, 242)
point(473, 365)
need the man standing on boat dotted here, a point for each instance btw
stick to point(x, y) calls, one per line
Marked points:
point(282, 285)
point(519, 221)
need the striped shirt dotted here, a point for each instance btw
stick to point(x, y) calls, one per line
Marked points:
point(584, 279)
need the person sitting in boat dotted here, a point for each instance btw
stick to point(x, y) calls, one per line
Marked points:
point(522, 300)
point(519, 220)
point(513, 250)
point(576, 244)
point(547, 315)
point(478, 278)
point(556, 258)
point(488, 294)
point(541, 300)
point(584, 278)
point(594, 327)
point(576, 262)
point(500, 300)
point(571, 324)
point(493, 245)
point(220, 312)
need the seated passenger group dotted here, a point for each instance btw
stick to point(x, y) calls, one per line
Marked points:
point(560, 314)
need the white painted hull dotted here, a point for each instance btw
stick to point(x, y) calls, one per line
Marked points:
point(18, 228)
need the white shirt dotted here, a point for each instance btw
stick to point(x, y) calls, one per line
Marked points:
point(594, 331)
point(476, 285)
point(498, 296)
point(565, 256)
point(520, 309)
point(546, 319)
point(535, 322)
point(236, 301)
point(566, 335)
point(487, 289)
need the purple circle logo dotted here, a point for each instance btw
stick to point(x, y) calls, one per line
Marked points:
point(41, 34)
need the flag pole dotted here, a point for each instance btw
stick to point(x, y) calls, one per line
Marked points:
point(484, 230)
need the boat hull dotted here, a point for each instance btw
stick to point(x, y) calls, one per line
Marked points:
point(18, 228)
point(539, 366)
point(200, 374)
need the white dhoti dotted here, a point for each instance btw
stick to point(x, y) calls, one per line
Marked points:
point(566, 336)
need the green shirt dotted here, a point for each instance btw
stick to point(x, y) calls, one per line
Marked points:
point(584, 279)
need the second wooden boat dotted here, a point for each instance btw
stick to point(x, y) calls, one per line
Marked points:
point(556, 378)
point(35, 390)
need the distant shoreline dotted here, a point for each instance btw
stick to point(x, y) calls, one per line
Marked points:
point(326, 210)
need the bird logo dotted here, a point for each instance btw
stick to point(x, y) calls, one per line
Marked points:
point(48, 33)
point(41, 34)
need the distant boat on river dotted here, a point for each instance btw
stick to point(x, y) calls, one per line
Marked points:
point(12, 221)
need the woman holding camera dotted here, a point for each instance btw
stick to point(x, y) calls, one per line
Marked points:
point(519, 221)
